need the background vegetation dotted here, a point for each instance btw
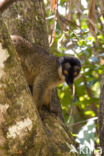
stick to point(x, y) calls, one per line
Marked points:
point(76, 27)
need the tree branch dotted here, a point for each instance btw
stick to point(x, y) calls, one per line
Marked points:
point(4, 4)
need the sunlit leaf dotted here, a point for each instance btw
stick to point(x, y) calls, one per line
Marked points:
point(85, 138)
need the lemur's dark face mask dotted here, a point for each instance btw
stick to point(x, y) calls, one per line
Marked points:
point(70, 75)
point(71, 68)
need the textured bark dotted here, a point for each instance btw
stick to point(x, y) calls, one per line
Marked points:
point(4, 4)
point(27, 19)
point(16, 106)
point(101, 115)
point(22, 131)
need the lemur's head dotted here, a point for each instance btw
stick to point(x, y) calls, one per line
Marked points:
point(71, 67)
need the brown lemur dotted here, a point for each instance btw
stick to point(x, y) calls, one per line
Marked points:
point(44, 71)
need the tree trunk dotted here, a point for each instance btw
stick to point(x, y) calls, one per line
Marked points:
point(101, 115)
point(22, 132)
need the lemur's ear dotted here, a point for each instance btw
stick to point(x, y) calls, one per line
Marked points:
point(61, 59)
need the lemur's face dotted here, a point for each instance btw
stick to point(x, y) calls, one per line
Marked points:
point(71, 67)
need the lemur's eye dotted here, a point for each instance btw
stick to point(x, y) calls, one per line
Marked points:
point(75, 73)
point(65, 72)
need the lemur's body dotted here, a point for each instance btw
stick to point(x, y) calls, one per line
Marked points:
point(42, 70)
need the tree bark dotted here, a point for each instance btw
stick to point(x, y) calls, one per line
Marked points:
point(27, 18)
point(16, 106)
point(22, 132)
point(4, 4)
point(101, 115)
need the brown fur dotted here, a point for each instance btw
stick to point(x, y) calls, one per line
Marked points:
point(41, 69)
point(44, 71)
